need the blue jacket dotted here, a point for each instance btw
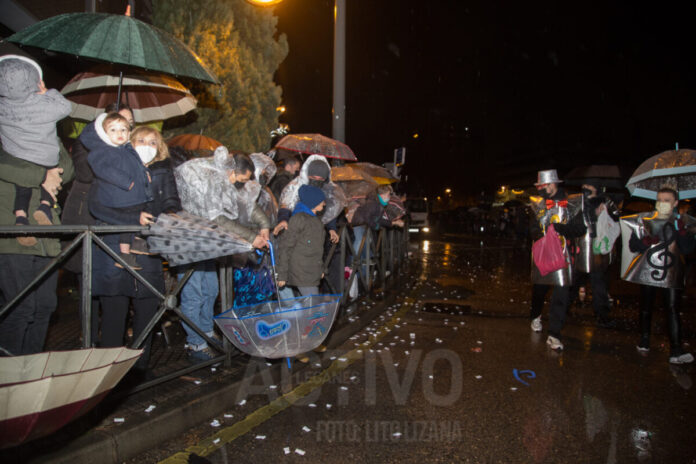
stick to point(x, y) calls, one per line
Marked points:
point(115, 169)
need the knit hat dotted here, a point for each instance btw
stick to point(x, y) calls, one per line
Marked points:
point(318, 168)
point(311, 196)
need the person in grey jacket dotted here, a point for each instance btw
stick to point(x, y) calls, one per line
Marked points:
point(28, 116)
point(302, 245)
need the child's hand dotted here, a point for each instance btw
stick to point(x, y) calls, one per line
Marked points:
point(145, 218)
point(281, 283)
point(282, 225)
point(42, 88)
point(333, 236)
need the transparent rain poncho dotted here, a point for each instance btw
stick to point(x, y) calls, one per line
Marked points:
point(335, 197)
point(265, 168)
point(206, 191)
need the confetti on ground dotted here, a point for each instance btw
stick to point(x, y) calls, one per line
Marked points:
point(215, 423)
point(150, 408)
point(228, 416)
point(343, 359)
point(260, 437)
point(476, 349)
point(396, 434)
point(513, 388)
point(306, 429)
point(312, 405)
point(118, 420)
point(216, 441)
point(328, 405)
point(343, 387)
point(242, 403)
point(478, 377)
point(197, 382)
point(273, 387)
point(299, 451)
point(286, 450)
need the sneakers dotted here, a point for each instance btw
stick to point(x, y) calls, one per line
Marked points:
point(681, 359)
point(130, 260)
point(205, 354)
point(642, 349)
point(554, 343)
point(536, 324)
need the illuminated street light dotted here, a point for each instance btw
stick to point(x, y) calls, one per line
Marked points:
point(415, 136)
point(448, 190)
point(264, 2)
point(281, 109)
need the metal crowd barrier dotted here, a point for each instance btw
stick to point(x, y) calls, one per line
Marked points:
point(389, 248)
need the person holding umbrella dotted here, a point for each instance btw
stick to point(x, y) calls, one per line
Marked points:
point(660, 240)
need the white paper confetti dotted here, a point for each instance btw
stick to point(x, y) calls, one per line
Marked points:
point(328, 405)
point(513, 388)
point(342, 359)
point(150, 408)
point(396, 434)
point(286, 450)
point(306, 429)
point(197, 382)
point(242, 403)
point(478, 377)
point(228, 416)
point(343, 387)
point(260, 437)
point(215, 423)
point(299, 451)
point(118, 420)
point(312, 405)
point(273, 387)
point(216, 441)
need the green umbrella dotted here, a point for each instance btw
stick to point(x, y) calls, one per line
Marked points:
point(116, 39)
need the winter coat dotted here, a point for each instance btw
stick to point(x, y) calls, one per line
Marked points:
point(371, 214)
point(28, 119)
point(165, 197)
point(76, 209)
point(115, 169)
point(301, 248)
point(13, 172)
point(109, 280)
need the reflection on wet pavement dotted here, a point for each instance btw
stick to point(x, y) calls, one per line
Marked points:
point(451, 372)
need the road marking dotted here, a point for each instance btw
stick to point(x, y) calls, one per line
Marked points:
point(261, 415)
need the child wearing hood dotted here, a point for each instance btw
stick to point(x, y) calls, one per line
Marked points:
point(121, 187)
point(301, 247)
point(28, 116)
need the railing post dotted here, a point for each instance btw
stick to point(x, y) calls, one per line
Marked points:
point(342, 260)
point(86, 295)
point(226, 301)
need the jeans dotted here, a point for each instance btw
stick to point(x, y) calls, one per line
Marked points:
point(23, 327)
point(359, 232)
point(198, 300)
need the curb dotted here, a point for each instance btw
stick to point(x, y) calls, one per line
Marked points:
point(144, 432)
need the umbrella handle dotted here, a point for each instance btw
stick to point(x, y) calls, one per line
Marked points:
point(270, 248)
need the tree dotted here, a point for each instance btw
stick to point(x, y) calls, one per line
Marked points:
point(237, 41)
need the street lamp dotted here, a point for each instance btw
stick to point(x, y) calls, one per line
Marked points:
point(448, 190)
point(264, 2)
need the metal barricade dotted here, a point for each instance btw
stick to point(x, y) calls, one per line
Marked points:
point(389, 247)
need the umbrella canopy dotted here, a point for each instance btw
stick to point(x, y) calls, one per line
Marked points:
point(194, 142)
point(115, 39)
point(607, 175)
point(152, 97)
point(380, 174)
point(42, 392)
point(316, 144)
point(674, 168)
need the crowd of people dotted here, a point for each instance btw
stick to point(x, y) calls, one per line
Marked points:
point(123, 175)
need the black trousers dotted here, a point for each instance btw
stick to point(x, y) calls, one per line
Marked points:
point(600, 291)
point(670, 298)
point(23, 327)
point(114, 315)
point(560, 297)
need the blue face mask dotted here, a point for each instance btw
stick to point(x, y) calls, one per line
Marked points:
point(381, 200)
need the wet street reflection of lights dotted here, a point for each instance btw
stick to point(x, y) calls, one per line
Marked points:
point(587, 342)
point(426, 246)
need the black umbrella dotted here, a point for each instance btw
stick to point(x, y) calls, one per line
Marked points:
point(606, 175)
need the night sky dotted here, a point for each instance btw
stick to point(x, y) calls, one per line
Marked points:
point(495, 93)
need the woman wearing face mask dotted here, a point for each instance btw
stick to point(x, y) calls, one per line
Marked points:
point(660, 239)
point(116, 287)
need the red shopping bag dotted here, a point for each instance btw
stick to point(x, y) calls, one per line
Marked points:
point(547, 252)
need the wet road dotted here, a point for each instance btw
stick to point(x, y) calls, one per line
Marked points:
point(451, 372)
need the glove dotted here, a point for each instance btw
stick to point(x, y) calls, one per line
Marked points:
point(636, 245)
point(668, 232)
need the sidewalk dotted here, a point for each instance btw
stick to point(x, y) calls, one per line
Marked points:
point(123, 426)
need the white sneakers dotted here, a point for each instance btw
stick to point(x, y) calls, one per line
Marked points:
point(554, 343)
point(681, 359)
point(536, 324)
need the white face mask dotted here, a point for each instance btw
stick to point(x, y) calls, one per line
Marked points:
point(146, 153)
point(664, 208)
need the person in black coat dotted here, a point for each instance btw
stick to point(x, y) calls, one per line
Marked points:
point(115, 286)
